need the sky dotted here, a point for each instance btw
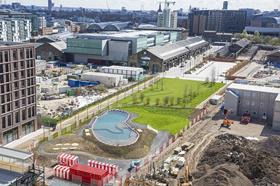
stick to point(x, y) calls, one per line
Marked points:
point(153, 4)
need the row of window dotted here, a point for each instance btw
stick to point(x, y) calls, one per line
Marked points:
point(16, 54)
point(18, 104)
point(15, 66)
point(18, 117)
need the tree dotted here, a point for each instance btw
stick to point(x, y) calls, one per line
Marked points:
point(244, 34)
point(257, 37)
point(206, 80)
point(48, 121)
point(157, 101)
point(184, 102)
point(213, 75)
point(186, 92)
point(148, 100)
point(178, 100)
point(142, 96)
point(171, 100)
point(134, 99)
point(166, 100)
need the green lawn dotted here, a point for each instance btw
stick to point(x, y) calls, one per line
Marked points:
point(168, 103)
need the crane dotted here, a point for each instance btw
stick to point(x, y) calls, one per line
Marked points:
point(167, 3)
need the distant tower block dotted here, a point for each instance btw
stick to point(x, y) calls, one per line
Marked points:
point(225, 5)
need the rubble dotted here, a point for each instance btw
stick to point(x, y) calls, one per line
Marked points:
point(234, 160)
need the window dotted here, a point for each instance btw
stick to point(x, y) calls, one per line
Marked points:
point(17, 117)
point(9, 120)
point(3, 122)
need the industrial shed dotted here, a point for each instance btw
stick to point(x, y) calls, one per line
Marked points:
point(51, 51)
point(274, 57)
point(259, 101)
point(161, 58)
point(239, 46)
point(108, 26)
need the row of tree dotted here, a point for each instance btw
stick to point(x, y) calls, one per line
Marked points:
point(258, 38)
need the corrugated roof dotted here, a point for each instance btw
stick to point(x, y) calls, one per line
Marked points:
point(243, 43)
point(14, 154)
point(254, 88)
point(59, 45)
point(174, 49)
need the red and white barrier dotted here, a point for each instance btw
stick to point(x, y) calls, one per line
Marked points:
point(67, 159)
point(112, 169)
point(62, 172)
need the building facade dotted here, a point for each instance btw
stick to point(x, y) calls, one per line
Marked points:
point(162, 58)
point(167, 18)
point(260, 102)
point(15, 30)
point(225, 21)
point(265, 25)
point(17, 91)
point(114, 48)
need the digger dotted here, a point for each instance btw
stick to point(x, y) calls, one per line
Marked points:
point(227, 123)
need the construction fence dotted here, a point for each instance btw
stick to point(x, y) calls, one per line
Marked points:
point(167, 147)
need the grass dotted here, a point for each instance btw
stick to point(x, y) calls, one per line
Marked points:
point(167, 105)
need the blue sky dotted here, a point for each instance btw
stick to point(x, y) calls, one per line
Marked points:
point(153, 4)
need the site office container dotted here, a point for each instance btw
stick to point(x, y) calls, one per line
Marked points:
point(89, 175)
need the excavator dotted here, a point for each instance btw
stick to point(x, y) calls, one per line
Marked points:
point(136, 182)
point(187, 178)
point(227, 123)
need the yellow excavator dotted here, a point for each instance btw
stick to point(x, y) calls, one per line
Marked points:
point(187, 177)
point(227, 123)
point(136, 182)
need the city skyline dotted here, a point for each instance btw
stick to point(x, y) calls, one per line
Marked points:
point(153, 5)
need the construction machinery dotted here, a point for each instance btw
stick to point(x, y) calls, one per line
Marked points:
point(245, 118)
point(136, 181)
point(187, 179)
point(227, 123)
point(167, 3)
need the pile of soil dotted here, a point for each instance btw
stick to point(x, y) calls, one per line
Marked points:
point(234, 160)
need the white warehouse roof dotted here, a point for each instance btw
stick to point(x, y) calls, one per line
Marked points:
point(100, 74)
point(254, 88)
point(123, 68)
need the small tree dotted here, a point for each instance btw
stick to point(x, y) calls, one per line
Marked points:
point(148, 100)
point(178, 100)
point(157, 101)
point(166, 100)
point(206, 80)
point(186, 92)
point(213, 76)
point(184, 102)
point(171, 100)
point(142, 96)
point(48, 121)
point(134, 99)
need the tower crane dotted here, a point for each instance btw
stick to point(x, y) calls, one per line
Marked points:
point(167, 3)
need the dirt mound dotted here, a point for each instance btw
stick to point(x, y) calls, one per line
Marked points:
point(258, 161)
point(223, 175)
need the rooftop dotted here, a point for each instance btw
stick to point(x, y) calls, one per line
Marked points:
point(121, 34)
point(101, 74)
point(8, 177)
point(91, 170)
point(172, 50)
point(254, 88)
point(123, 68)
point(14, 154)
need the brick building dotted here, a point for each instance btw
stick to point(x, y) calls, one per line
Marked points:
point(17, 91)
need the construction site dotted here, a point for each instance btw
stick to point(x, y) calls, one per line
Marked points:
point(217, 151)
point(229, 146)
